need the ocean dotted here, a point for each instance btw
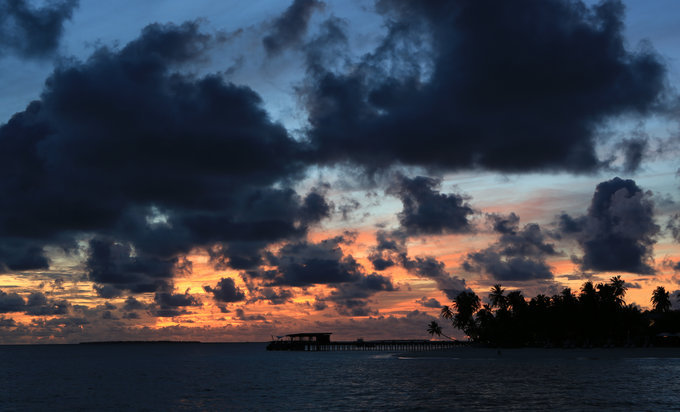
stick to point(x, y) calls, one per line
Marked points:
point(244, 376)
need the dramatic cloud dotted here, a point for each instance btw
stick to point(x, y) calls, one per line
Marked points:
point(428, 212)
point(618, 233)
point(275, 296)
point(171, 304)
point(570, 225)
point(133, 304)
point(633, 152)
point(11, 302)
point(152, 162)
point(305, 264)
point(291, 26)
point(37, 304)
point(517, 255)
point(493, 91)
point(673, 226)
point(33, 32)
point(386, 252)
point(114, 265)
point(226, 291)
point(351, 299)
point(135, 174)
point(430, 268)
point(18, 254)
point(241, 315)
point(429, 303)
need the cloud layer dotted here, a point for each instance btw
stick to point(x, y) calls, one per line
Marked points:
point(469, 84)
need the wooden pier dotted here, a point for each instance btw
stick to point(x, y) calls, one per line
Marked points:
point(320, 342)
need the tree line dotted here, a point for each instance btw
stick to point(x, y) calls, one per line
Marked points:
point(597, 316)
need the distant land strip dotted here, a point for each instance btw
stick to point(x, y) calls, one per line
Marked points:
point(135, 342)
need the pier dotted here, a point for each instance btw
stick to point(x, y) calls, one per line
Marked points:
point(320, 342)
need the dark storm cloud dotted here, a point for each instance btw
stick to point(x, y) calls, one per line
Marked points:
point(618, 232)
point(385, 253)
point(226, 291)
point(352, 299)
point(37, 304)
point(354, 307)
point(116, 267)
point(314, 208)
point(169, 304)
point(428, 212)
point(305, 264)
point(366, 286)
point(507, 269)
point(517, 255)
point(319, 304)
point(673, 225)
point(391, 250)
point(291, 26)
point(132, 304)
point(33, 32)
point(152, 163)
point(504, 224)
point(508, 86)
point(19, 255)
point(569, 225)
point(429, 303)
point(430, 268)
point(275, 296)
point(11, 302)
point(380, 263)
point(107, 291)
point(633, 153)
point(241, 315)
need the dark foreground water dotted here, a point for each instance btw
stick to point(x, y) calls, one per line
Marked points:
point(245, 376)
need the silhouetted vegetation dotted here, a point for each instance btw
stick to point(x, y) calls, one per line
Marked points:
point(597, 316)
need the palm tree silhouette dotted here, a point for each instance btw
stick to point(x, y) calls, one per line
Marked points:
point(497, 297)
point(433, 328)
point(516, 300)
point(619, 289)
point(661, 300)
point(447, 313)
point(466, 303)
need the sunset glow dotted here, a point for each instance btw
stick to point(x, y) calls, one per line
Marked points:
point(195, 173)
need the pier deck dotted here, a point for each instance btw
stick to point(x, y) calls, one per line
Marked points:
point(379, 345)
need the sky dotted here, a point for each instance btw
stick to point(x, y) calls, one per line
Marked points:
point(233, 171)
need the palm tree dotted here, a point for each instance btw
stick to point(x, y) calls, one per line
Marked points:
point(466, 303)
point(497, 297)
point(567, 297)
point(588, 295)
point(661, 300)
point(516, 300)
point(447, 313)
point(433, 328)
point(619, 289)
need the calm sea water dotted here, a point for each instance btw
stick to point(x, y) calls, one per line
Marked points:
point(245, 376)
